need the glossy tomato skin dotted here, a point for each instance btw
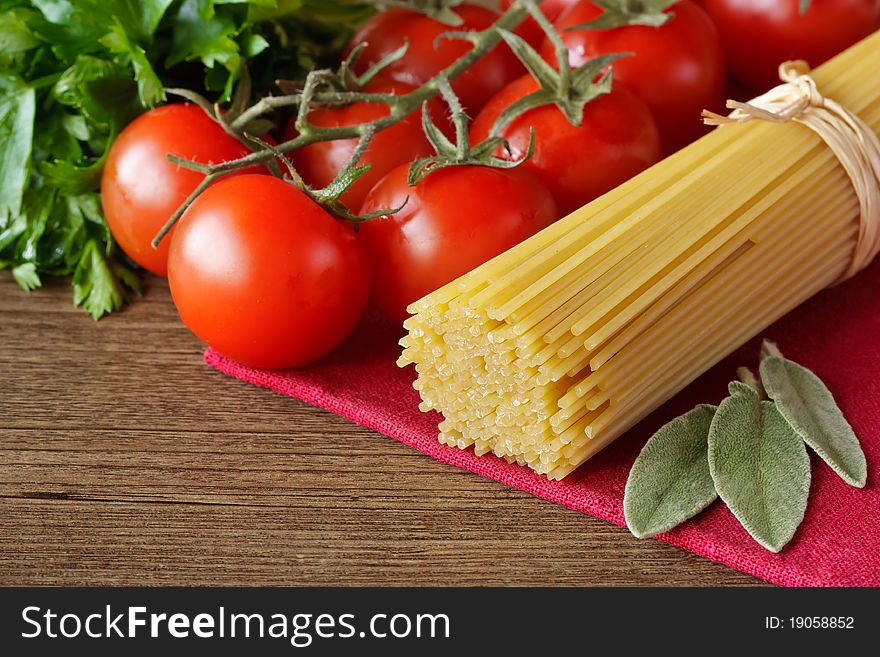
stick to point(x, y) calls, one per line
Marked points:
point(617, 140)
point(264, 275)
point(759, 35)
point(677, 69)
point(455, 220)
point(320, 163)
point(388, 30)
point(529, 28)
point(141, 189)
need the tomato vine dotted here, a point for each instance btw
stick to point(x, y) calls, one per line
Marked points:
point(323, 87)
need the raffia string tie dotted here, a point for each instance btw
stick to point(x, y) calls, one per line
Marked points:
point(851, 139)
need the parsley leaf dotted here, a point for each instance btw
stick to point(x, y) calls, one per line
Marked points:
point(17, 112)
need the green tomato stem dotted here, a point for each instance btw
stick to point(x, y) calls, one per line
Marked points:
point(399, 108)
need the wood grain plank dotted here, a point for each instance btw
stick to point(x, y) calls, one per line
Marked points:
point(125, 460)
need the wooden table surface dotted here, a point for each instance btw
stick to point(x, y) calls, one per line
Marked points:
point(124, 460)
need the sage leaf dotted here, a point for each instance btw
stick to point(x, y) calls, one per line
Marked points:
point(742, 388)
point(670, 480)
point(747, 376)
point(808, 406)
point(759, 466)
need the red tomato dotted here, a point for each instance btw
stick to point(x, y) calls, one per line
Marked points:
point(387, 31)
point(759, 35)
point(319, 163)
point(264, 275)
point(529, 28)
point(455, 220)
point(677, 69)
point(617, 140)
point(141, 189)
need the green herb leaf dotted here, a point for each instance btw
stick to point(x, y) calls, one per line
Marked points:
point(741, 388)
point(670, 480)
point(97, 285)
point(56, 11)
point(15, 35)
point(101, 90)
point(145, 14)
point(200, 33)
point(150, 88)
point(71, 178)
point(17, 111)
point(759, 466)
point(748, 377)
point(26, 276)
point(809, 407)
point(254, 44)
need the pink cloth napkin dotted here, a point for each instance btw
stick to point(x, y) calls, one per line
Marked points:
point(837, 334)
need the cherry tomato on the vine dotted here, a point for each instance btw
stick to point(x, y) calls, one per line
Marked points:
point(759, 35)
point(264, 275)
point(141, 189)
point(319, 163)
point(617, 140)
point(455, 220)
point(677, 69)
point(390, 29)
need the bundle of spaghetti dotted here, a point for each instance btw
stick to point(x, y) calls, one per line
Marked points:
point(547, 353)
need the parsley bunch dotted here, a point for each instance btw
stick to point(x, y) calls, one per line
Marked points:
point(73, 73)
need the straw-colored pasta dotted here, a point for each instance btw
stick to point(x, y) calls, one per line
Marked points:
point(552, 350)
